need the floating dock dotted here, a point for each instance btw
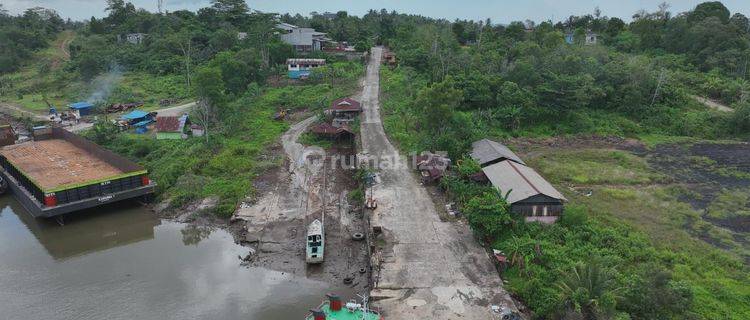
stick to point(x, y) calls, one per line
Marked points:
point(60, 172)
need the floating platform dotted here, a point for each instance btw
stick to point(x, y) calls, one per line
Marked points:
point(61, 172)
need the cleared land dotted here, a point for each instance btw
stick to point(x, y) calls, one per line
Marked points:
point(54, 163)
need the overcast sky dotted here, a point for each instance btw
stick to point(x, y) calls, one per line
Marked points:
point(500, 11)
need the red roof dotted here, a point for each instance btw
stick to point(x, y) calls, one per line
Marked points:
point(346, 104)
point(167, 124)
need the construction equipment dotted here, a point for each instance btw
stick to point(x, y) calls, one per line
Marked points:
point(281, 114)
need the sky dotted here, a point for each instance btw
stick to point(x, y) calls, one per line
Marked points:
point(500, 11)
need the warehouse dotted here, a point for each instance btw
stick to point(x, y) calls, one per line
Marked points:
point(527, 192)
point(488, 152)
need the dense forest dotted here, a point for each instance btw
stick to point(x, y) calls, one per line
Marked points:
point(456, 82)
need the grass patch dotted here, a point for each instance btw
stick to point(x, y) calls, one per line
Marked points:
point(311, 139)
point(594, 166)
point(730, 204)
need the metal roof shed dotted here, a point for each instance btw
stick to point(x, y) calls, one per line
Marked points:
point(488, 152)
point(83, 108)
point(135, 115)
point(528, 192)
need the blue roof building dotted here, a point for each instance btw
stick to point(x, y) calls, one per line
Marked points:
point(83, 108)
point(135, 115)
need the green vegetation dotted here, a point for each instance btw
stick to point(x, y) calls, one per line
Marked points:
point(311, 139)
point(627, 247)
point(226, 164)
point(595, 166)
point(654, 267)
point(730, 204)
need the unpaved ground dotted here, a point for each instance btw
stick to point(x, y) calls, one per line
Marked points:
point(703, 170)
point(275, 224)
point(713, 104)
point(424, 268)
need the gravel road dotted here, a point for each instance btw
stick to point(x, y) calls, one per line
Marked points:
point(428, 269)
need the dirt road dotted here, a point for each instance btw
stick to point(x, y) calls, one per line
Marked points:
point(429, 269)
point(276, 223)
point(176, 110)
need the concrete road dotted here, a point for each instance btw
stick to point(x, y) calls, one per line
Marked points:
point(429, 269)
point(176, 110)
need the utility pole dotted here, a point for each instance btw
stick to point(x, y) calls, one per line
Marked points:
point(658, 86)
point(160, 4)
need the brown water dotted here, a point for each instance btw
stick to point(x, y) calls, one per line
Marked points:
point(121, 262)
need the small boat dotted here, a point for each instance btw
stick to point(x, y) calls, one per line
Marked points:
point(332, 309)
point(315, 242)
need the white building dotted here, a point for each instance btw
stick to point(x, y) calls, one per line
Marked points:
point(591, 37)
point(302, 39)
point(135, 38)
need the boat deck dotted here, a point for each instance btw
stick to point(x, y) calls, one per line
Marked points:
point(56, 162)
point(345, 314)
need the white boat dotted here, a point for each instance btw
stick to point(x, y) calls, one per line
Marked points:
point(315, 242)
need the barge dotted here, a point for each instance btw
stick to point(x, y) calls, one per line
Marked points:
point(60, 172)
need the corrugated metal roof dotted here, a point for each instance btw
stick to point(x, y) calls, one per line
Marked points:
point(306, 61)
point(135, 114)
point(81, 105)
point(346, 104)
point(486, 150)
point(170, 124)
point(522, 182)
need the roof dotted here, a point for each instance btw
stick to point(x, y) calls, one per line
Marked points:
point(429, 161)
point(522, 181)
point(346, 104)
point(328, 129)
point(171, 123)
point(286, 26)
point(135, 114)
point(306, 61)
point(486, 151)
point(81, 105)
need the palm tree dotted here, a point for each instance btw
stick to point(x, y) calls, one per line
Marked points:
point(589, 289)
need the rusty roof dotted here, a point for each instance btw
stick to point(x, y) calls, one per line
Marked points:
point(170, 123)
point(346, 104)
point(328, 129)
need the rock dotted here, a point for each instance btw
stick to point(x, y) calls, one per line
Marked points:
point(269, 247)
point(252, 238)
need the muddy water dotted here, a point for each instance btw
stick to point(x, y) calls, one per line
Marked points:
point(120, 262)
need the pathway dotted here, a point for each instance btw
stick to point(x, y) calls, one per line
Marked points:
point(430, 269)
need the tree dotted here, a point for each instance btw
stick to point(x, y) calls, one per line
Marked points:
point(210, 91)
point(614, 27)
point(233, 11)
point(589, 289)
point(459, 30)
point(488, 214)
point(709, 9)
point(437, 104)
point(515, 103)
point(209, 86)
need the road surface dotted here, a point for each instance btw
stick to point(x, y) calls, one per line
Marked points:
point(429, 269)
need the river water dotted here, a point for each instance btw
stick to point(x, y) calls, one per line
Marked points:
point(121, 262)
